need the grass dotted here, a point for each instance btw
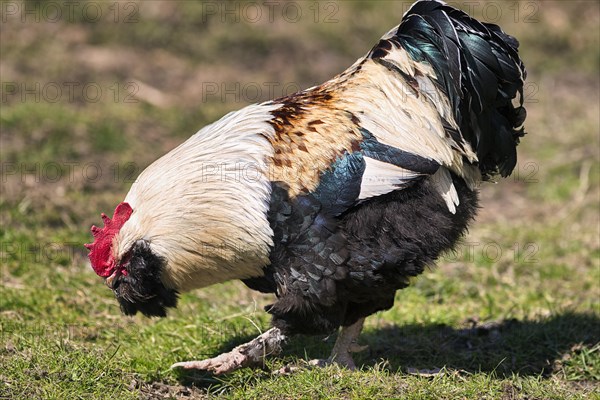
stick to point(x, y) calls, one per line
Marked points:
point(514, 313)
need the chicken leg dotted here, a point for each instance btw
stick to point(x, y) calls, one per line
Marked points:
point(245, 355)
point(345, 344)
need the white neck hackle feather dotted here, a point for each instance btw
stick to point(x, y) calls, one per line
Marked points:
point(203, 206)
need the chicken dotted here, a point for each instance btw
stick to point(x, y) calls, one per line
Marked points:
point(331, 198)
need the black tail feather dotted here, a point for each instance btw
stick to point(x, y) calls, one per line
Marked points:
point(479, 68)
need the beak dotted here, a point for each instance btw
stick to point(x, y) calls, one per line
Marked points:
point(111, 279)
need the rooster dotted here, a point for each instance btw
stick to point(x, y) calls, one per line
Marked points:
point(331, 198)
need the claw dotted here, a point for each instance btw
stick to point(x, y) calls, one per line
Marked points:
point(221, 364)
point(187, 365)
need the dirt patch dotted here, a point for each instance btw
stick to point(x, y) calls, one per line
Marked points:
point(160, 390)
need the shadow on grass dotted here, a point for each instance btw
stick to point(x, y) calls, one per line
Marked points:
point(504, 348)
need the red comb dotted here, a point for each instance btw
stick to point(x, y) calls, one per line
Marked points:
point(100, 251)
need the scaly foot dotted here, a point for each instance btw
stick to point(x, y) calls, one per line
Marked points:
point(340, 355)
point(245, 355)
